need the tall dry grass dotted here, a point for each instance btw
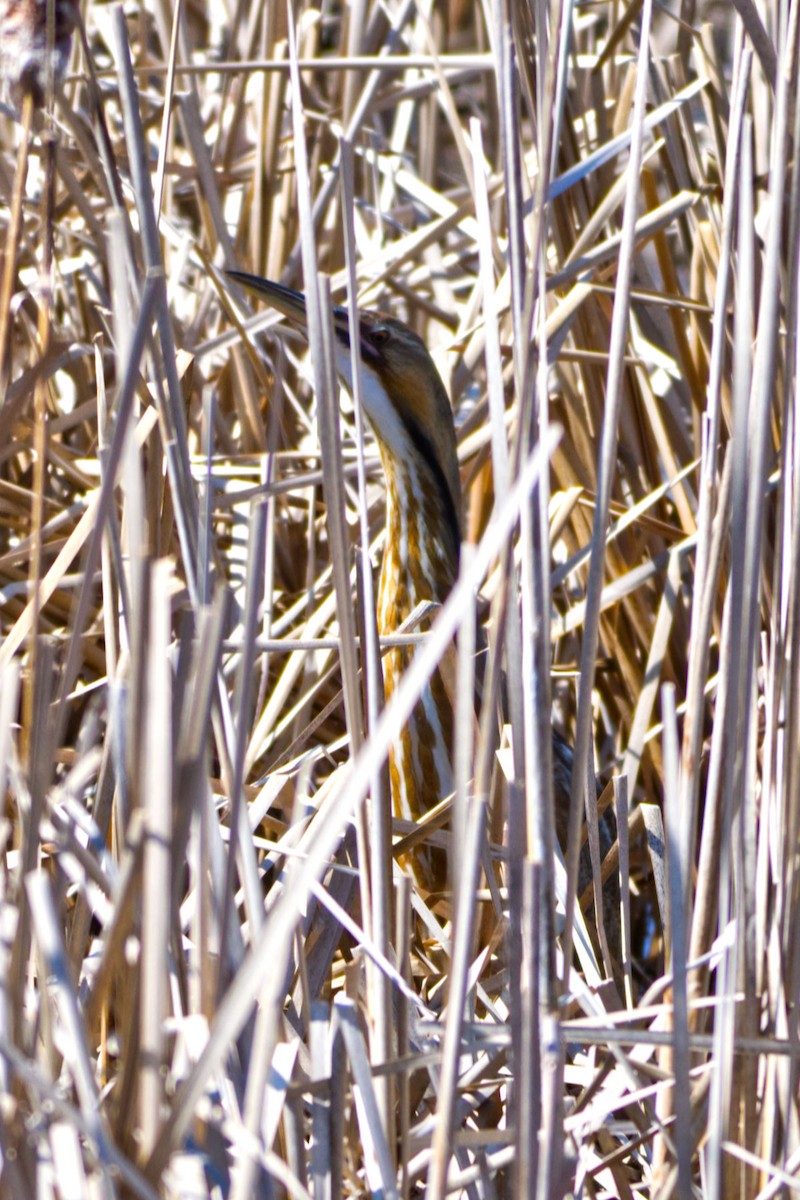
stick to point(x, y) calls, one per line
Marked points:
point(212, 983)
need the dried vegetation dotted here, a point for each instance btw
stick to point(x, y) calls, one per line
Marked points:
point(212, 984)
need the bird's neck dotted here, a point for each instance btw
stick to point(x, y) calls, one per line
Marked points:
point(420, 560)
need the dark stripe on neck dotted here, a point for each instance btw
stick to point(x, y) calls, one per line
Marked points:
point(424, 447)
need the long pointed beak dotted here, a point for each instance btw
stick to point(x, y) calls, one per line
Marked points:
point(286, 300)
point(292, 304)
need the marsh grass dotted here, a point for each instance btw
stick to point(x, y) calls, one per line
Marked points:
point(212, 982)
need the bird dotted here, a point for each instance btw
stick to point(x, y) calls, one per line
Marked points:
point(408, 409)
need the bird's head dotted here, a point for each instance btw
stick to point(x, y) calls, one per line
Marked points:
point(403, 394)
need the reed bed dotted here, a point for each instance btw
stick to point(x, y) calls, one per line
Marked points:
point(215, 981)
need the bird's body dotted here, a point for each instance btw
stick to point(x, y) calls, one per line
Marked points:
point(420, 558)
point(408, 410)
point(420, 563)
point(407, 406)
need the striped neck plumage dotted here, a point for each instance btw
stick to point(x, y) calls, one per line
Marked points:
point(420, 558)
point(409, 412)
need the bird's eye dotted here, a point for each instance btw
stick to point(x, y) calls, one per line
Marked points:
point(380, 336)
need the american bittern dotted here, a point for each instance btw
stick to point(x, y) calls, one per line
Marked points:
point(407, 406)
